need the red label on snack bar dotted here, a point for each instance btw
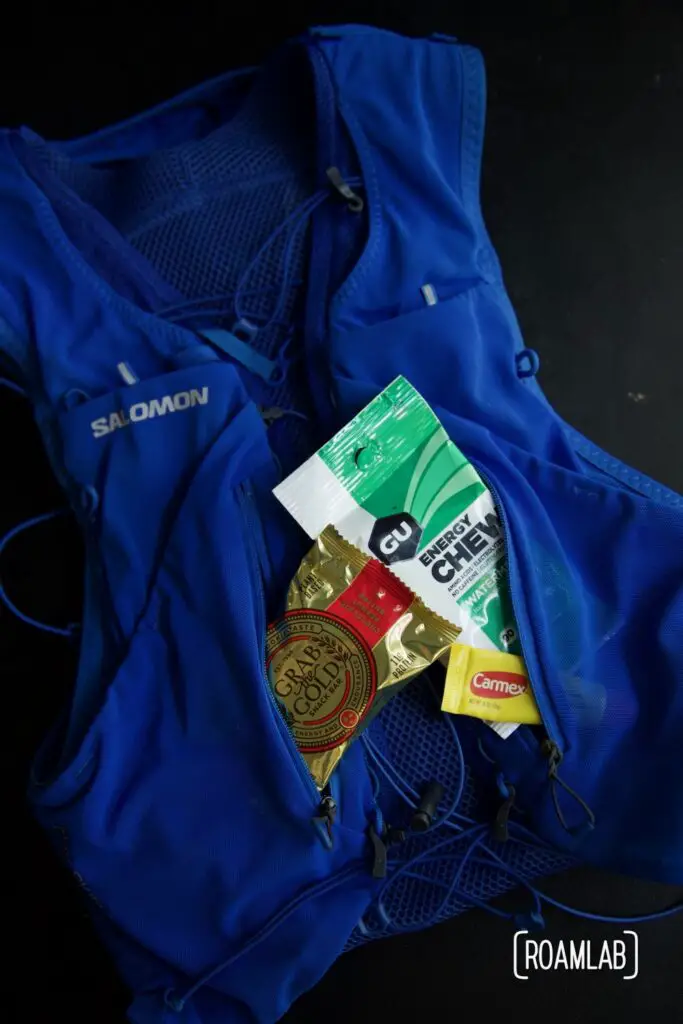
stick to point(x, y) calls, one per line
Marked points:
point(373, 602)
point(498, 684)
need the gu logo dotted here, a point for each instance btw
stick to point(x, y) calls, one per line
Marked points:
point(395, 538)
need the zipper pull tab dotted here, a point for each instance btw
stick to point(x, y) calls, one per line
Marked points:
point(500, 826)
point(379, 853)
point(327, 815)
point(335, 179)
point(270, 413)
point(553, 755)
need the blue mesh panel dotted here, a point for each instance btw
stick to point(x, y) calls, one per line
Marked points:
point(200, 212)
point(417, 740)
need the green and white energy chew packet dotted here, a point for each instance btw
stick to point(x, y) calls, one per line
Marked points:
point(393, 484)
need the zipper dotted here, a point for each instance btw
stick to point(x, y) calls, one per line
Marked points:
point(326, 817)
point(320, 255)
point(550, 747)
point(323, 804)
point(525, 628)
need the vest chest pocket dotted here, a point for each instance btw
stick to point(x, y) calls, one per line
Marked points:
point(130, 457)
point(149, 468)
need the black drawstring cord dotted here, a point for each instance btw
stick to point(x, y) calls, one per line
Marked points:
point(553, 754)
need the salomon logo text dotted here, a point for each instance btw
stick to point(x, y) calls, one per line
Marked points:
point(178, 402)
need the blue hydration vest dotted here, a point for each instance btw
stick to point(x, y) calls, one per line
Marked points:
point(194, 300)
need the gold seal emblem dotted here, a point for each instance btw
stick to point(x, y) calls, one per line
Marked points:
point(324, 674)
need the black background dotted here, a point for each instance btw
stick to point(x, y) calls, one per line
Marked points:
point(583, 195)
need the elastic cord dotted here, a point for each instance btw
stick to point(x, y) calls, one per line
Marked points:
point(314, 892)
point(273, 414)
point(556, 781)
point(296, 219)
point(218, 306)
point(440, 853)
point(451, 818)
point(409, 795)
point(219, 302)
point(608, 919)
point(11, 386)
point(9, 604)
point(474, 837)
point(238, 341)
point(575, 911)
point(216, 312)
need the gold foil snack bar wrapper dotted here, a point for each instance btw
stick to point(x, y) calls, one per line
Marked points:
point(351, 637)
